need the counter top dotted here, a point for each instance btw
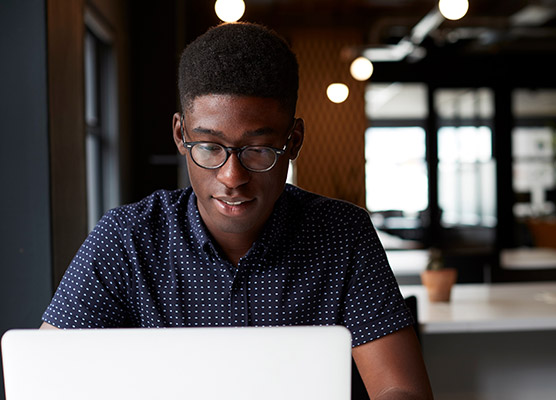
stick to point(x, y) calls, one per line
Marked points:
point(528, 258)
point(488, 308)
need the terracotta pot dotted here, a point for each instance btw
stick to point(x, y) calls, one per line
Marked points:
point(439, 283)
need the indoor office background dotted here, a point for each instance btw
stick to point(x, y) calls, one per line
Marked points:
point(451, 143)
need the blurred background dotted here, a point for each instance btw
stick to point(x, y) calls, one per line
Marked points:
point(450, 143)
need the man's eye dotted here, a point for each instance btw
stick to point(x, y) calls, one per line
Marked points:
point(209, 147)
point(258, 150)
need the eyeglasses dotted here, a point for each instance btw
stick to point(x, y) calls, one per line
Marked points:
point(210, 155)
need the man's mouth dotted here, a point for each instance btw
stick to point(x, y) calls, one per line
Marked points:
point(233, 203)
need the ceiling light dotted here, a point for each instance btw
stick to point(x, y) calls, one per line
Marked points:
point(453, 9)
point(337, 92)
point(361, 69)
point(229, 10)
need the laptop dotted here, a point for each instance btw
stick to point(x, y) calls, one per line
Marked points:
point(298, 362)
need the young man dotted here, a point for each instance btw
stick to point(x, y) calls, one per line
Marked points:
point(239, 247)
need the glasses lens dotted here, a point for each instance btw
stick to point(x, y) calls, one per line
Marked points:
point(258, 158)
point(209, 155)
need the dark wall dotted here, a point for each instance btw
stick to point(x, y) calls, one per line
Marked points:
point(154, 60)
point(25, 269)
point(158, 36)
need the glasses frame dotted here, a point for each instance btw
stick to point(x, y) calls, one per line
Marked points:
point(229, 150)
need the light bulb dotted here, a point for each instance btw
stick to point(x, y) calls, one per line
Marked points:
point(229, 10)
point(337, 92)
point(453, 9)
point(361, 69)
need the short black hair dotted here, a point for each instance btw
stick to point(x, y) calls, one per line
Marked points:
point(240, 58)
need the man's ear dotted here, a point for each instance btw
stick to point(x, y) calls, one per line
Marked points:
point(298, 135)
point(177, 133)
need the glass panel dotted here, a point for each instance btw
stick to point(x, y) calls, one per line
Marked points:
point(395, 101)
point(534, 103)
point(93, 143)
point(396, 176)
point(466, 176)
point(466, 169)
point(534, 166)
point(534, 170)
point(101, 118)
point(534, 152)
point(464, 103)
point(94, 179)
point(91, 110)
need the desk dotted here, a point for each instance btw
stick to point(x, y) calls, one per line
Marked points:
point(528, 258)
point(490, 342)
point(407, 265)
point(488, 308)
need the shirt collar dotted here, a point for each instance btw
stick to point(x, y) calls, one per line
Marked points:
point(274, 232)
point(197, 227)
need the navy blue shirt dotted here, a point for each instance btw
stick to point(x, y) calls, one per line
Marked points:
point(154, 264)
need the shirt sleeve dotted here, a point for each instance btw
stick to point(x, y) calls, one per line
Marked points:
point(93, 291)
point(374, 306)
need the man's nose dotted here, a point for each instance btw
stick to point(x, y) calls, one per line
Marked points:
point(232, 174)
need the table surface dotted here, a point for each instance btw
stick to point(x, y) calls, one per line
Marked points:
point(528, 258)
point(488, 308)
point(408, 262)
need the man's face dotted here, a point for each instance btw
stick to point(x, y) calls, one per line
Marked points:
point(234, 202)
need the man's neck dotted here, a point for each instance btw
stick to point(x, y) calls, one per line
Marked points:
point(234, 246)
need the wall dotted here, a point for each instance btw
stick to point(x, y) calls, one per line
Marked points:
point(332, 161)
point(25, 269)
point(66, 29)
point(65, 26)
point(155, 50)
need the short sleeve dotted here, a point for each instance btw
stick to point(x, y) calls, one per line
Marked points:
point(374, 306)
point(93, 291)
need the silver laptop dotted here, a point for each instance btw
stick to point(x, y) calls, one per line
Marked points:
point(178, 363)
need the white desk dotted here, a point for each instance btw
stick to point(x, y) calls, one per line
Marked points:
point(528, 258)
point(407, 265)
point(490, 342)
point(408, 262)
point(488, 308)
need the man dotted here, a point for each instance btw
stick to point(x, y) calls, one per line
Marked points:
point(240, 247)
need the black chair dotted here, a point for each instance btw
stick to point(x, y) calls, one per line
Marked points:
point(411, 302)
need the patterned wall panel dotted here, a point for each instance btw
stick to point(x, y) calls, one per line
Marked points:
point(332, 161)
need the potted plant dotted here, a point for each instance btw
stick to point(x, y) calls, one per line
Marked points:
point(437, 278)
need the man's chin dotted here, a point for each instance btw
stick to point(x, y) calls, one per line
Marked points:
point(236, 227)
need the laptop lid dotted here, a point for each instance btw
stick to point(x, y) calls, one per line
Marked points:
point(178, 363)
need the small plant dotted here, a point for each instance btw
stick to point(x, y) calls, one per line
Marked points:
point(436, 259)
point(437, 278)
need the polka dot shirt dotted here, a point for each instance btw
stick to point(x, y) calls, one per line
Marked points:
point(153, 264)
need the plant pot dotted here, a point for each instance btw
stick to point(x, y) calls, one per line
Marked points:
point(439, 283)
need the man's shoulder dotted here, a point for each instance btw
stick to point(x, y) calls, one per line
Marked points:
point(158, 206)
point(315, 206)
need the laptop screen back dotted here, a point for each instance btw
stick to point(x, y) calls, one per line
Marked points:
point(178, 363)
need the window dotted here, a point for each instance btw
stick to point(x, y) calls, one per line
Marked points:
point(466, 168)
point(101, 122)
point(534, 152)
point(399, 165)
point(466, 176)
point(396, 176)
